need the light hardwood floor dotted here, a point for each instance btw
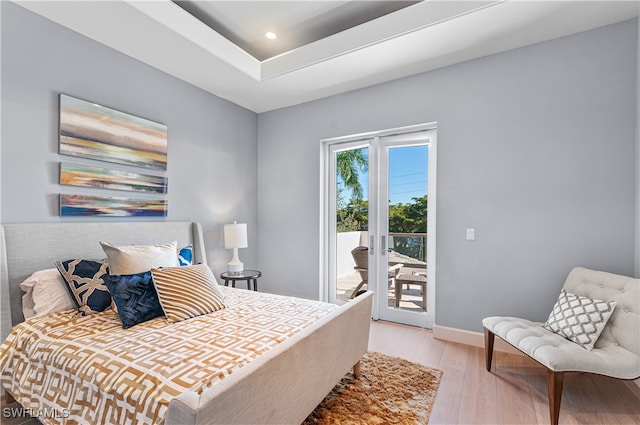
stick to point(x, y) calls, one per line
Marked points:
point(514, 392)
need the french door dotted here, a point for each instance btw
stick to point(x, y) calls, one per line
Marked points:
point(378, 226)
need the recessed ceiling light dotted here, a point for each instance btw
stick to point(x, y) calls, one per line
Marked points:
point(271, 35)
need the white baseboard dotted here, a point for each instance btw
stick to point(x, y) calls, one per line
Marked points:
point(475, 339)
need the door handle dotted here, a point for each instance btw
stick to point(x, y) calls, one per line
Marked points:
point(371, 242)
point(383, 245)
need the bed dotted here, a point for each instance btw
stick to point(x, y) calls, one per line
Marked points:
point(281, 384)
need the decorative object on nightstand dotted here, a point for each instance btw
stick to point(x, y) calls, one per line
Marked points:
point(251, 276)
point(235, 236)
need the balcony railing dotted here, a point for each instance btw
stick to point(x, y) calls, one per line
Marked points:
point(407, 248)
point(410, 247)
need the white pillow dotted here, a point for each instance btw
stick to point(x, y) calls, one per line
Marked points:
point(45, 292)
point(134, 259)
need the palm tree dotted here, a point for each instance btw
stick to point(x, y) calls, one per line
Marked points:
point(348, 165)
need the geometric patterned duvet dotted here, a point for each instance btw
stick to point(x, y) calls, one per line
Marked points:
point(88, 370)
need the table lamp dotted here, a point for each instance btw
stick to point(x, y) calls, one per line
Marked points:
point(235, 236)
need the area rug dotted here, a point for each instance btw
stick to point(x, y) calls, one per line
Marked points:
point(389, 390)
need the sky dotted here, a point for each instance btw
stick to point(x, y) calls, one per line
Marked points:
point(407, 174)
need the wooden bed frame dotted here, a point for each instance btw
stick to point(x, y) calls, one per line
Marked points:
point(281, 386)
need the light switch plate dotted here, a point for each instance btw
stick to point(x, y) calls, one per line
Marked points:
point(471, 234)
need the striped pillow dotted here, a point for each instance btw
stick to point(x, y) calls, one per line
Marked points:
point(187, 291)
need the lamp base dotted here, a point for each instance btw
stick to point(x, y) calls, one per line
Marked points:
point(235, 270)
point(235, 267)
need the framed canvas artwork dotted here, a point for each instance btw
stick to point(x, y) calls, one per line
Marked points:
point(103, 206)
point(105, 178)
point(92, 131)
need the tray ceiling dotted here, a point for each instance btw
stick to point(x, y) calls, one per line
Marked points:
point(323, 47)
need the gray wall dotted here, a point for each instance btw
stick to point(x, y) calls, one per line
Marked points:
point(536, 150)
point(0, 125)
point(212, 143)
point(637, 268)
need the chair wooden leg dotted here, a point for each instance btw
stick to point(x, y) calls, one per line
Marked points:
point(489, 338)
point(554, 383)
point(356, 369)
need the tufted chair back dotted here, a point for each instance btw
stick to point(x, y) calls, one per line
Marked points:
point(623, 328)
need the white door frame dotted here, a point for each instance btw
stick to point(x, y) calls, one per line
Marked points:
point(327, 212)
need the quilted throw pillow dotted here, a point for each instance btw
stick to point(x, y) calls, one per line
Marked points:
point(135, 297)
point(85, 284)
point(187, 292)
point(579, 319)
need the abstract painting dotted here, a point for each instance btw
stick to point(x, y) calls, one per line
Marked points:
point(92, 131)
point(104, 178)
point(101, 206)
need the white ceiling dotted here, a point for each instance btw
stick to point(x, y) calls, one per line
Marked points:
point(417, 38)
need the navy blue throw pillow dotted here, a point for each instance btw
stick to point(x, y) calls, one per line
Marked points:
point(85, 284)
point(135, 297)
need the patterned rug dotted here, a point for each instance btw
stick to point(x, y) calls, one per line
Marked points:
point(389, 390)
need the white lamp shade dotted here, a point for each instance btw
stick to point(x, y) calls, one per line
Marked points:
point(235, 235)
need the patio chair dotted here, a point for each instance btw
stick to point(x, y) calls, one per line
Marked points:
point(361, 258)
point(569, 340)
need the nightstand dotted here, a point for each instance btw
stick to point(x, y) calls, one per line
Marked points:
point(251, 276)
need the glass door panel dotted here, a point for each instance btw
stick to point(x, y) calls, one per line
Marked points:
point(403, 186)
point(350, 167)
point(407, 224)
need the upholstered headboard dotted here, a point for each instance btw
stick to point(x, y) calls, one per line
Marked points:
point(25, 248)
